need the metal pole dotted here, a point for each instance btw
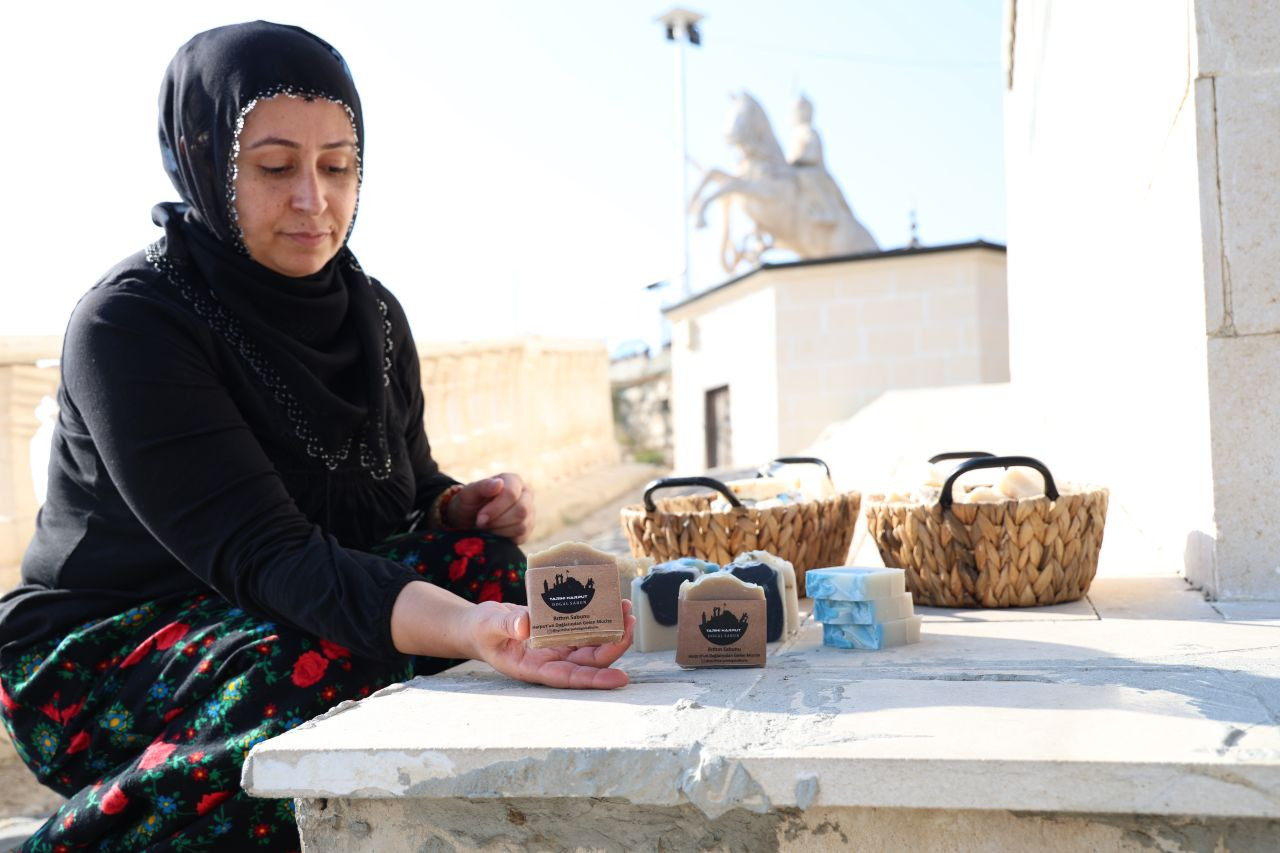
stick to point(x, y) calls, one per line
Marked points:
point(686, 289)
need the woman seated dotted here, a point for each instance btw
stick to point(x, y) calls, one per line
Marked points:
point(244, 523)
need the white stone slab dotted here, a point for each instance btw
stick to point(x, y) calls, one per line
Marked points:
point(1160, 597)
point(1115, 715)
point(1249, 611)
point(1072, 610)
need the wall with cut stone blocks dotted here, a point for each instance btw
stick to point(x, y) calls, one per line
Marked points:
point(27, 375)
point(803, 345)
point(535, 406)
point(1144, 240)
point(847, 333)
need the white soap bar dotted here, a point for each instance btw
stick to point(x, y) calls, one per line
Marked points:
point(787, 588)
point(655, 603)
point(980, 495)
point(630, 568)
point(1021, 481)
point(883, 635)
point(833, 612)
point(720, 585)
point(851, 583)
point(655, 600)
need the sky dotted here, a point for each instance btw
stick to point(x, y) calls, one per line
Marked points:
point(522, 163)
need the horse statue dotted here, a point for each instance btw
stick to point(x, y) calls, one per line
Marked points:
point(792, 200)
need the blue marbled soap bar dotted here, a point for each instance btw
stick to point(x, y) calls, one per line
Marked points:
point(834, 612)
point(848, 583)
point(882, 635)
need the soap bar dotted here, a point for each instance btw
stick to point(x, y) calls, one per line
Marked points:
point(722, 623)
point(575, 597)
point(850, 583)
point(883, 635)
point(785, 583)
point(630, 568)
point(656, 603)
point(981, 495)
point(571, 554)
point(834, 612)
point(1021, 481)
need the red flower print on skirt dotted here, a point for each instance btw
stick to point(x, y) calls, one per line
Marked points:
point(309, 668)
point(472, 546)
point(155, 755)
point(170, 634)
point(333, 651)
point(491, 591)
point(458, 568)
point(79, 741)
point(61, 715)
point(114, 801)
point(6, 700)
point(162, 639)
point(209, 801)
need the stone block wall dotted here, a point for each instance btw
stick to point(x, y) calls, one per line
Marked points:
point(537, 407)
point(849, 332)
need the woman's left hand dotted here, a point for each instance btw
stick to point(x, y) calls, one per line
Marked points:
point(501, 505)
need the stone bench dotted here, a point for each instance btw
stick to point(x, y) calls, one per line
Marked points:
point(1142, 712)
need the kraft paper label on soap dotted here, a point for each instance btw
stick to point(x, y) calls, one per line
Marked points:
point(573, 600)
point(721, 633)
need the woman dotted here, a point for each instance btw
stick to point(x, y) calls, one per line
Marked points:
point(240, 433)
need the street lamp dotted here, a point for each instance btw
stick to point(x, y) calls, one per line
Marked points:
point(681, 27)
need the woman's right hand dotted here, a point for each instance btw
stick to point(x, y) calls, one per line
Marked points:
point(501, 631)
point(429, 620)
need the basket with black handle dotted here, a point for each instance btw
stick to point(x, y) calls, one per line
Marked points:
point(1004, 553)
point(812, 533)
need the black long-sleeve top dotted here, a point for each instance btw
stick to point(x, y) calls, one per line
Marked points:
point(173, 470)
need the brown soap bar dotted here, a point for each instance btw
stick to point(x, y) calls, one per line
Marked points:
point(722, 622)
point(575, 598)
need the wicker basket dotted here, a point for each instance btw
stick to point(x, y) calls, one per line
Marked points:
point(1012, 553)
point(810, 534)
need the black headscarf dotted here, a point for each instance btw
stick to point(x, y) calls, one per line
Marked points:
point(318, 342)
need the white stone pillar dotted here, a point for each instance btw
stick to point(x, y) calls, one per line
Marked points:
point(1144, 243)
point(1238, 93)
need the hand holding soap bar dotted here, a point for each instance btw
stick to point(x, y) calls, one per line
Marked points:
point(850, 583)
point(574, 597)
point(722, 622)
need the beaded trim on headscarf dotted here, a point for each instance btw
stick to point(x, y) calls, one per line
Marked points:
point(233, 169)
point(223, 321)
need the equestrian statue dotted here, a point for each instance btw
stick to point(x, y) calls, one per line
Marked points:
point(792, 199)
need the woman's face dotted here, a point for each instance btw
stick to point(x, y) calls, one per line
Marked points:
point(296, 183)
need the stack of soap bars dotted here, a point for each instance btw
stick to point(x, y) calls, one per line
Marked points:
point(862, 608)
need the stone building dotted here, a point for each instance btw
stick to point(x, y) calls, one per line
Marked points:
point(761, 363)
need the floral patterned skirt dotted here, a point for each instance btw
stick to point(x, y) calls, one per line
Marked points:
point(143, 720)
